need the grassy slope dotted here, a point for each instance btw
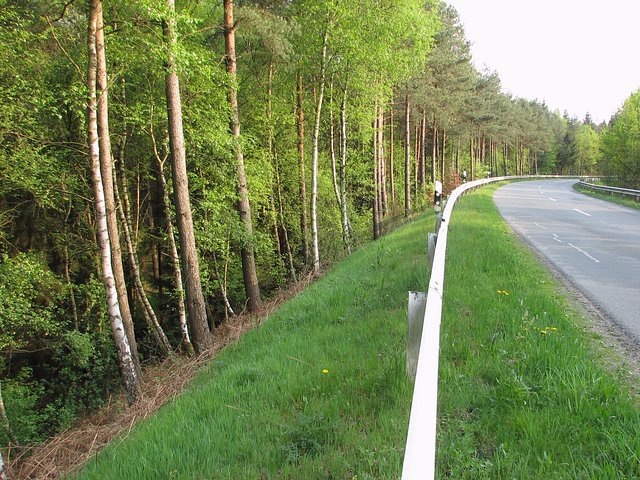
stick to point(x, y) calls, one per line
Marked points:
point(265, 409)
point(522, 394)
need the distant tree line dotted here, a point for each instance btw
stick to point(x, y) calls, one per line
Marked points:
point(164, 167)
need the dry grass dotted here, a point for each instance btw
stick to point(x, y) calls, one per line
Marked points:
point(161, 383)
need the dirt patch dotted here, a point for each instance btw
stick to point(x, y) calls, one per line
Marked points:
point(161, 383)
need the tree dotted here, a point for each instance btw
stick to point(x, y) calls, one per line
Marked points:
point(244, 206)
point(125, 358)
point(193, 289)
point(621, 142)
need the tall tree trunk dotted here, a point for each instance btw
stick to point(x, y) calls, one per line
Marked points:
point(505, 154)
point(416, 158)
point(106, 168)
point(247, 253)
point(472, 159)
point(376, 185)
point(434, 153)
point(303, 183)
point(187, 345)
point(316, 153)
point(125, 359)
point(382, 165)
point(346, 225)
point(407, 157)
point(147, 310)
point(444, 151)
point(287, 244)
point(392, 180)
point(332, 151)
point(202, 339)
point(423, 148)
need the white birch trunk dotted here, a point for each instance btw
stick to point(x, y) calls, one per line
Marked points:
point(346, 225)
point(125, 360)
point(315, 154)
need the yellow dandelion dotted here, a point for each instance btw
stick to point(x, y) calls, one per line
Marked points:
point(325, 371)
point(544, 332)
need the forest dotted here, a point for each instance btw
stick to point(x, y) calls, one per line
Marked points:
point(165, 166)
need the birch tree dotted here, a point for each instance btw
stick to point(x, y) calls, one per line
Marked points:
point(125, 357)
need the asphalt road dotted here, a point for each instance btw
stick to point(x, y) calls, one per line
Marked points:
point(594, 243)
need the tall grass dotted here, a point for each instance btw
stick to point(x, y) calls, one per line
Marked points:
point(317, 391)
point(522, 392)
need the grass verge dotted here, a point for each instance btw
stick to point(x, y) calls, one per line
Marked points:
point(318, 391)
point(522, 392)
point(609, 197)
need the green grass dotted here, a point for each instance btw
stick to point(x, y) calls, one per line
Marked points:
point(609, 197)
point(523, 393)
point(265, 409)
point(523, 390)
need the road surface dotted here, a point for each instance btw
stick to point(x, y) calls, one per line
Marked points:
point(594, 243)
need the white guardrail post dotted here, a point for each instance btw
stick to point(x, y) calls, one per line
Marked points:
point(420, 451)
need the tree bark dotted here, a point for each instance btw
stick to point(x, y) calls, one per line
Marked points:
point(392, 180)
point(382, 165)
point(187, 345)
point(443, 151)
point(125, 359)
point(407, 157)
point(303, 183)
point(106, 169)
point(147, 310)
point(376, 181)
point(316, 153)
point(423, 149)
point(434, 153)
point(247, 254)
point(202, 339)
point(346, 225)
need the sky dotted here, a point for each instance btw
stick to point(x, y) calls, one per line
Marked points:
point(577, 56)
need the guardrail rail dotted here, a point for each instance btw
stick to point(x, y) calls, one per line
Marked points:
point(420, 451)
point(604, 188)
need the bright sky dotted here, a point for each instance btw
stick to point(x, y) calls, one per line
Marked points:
point(576, 55)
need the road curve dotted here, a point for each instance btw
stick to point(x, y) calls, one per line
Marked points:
point(594, 243)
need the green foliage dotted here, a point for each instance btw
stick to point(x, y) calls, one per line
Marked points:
point(29, 303)
point(621, 143)
point(279, 405)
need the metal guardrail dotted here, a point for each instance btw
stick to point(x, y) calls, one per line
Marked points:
point(603, 188)
point(420, 451)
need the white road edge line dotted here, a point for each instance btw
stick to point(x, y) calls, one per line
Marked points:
point(584, 213)
point(585, 253)
point(541, 226)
